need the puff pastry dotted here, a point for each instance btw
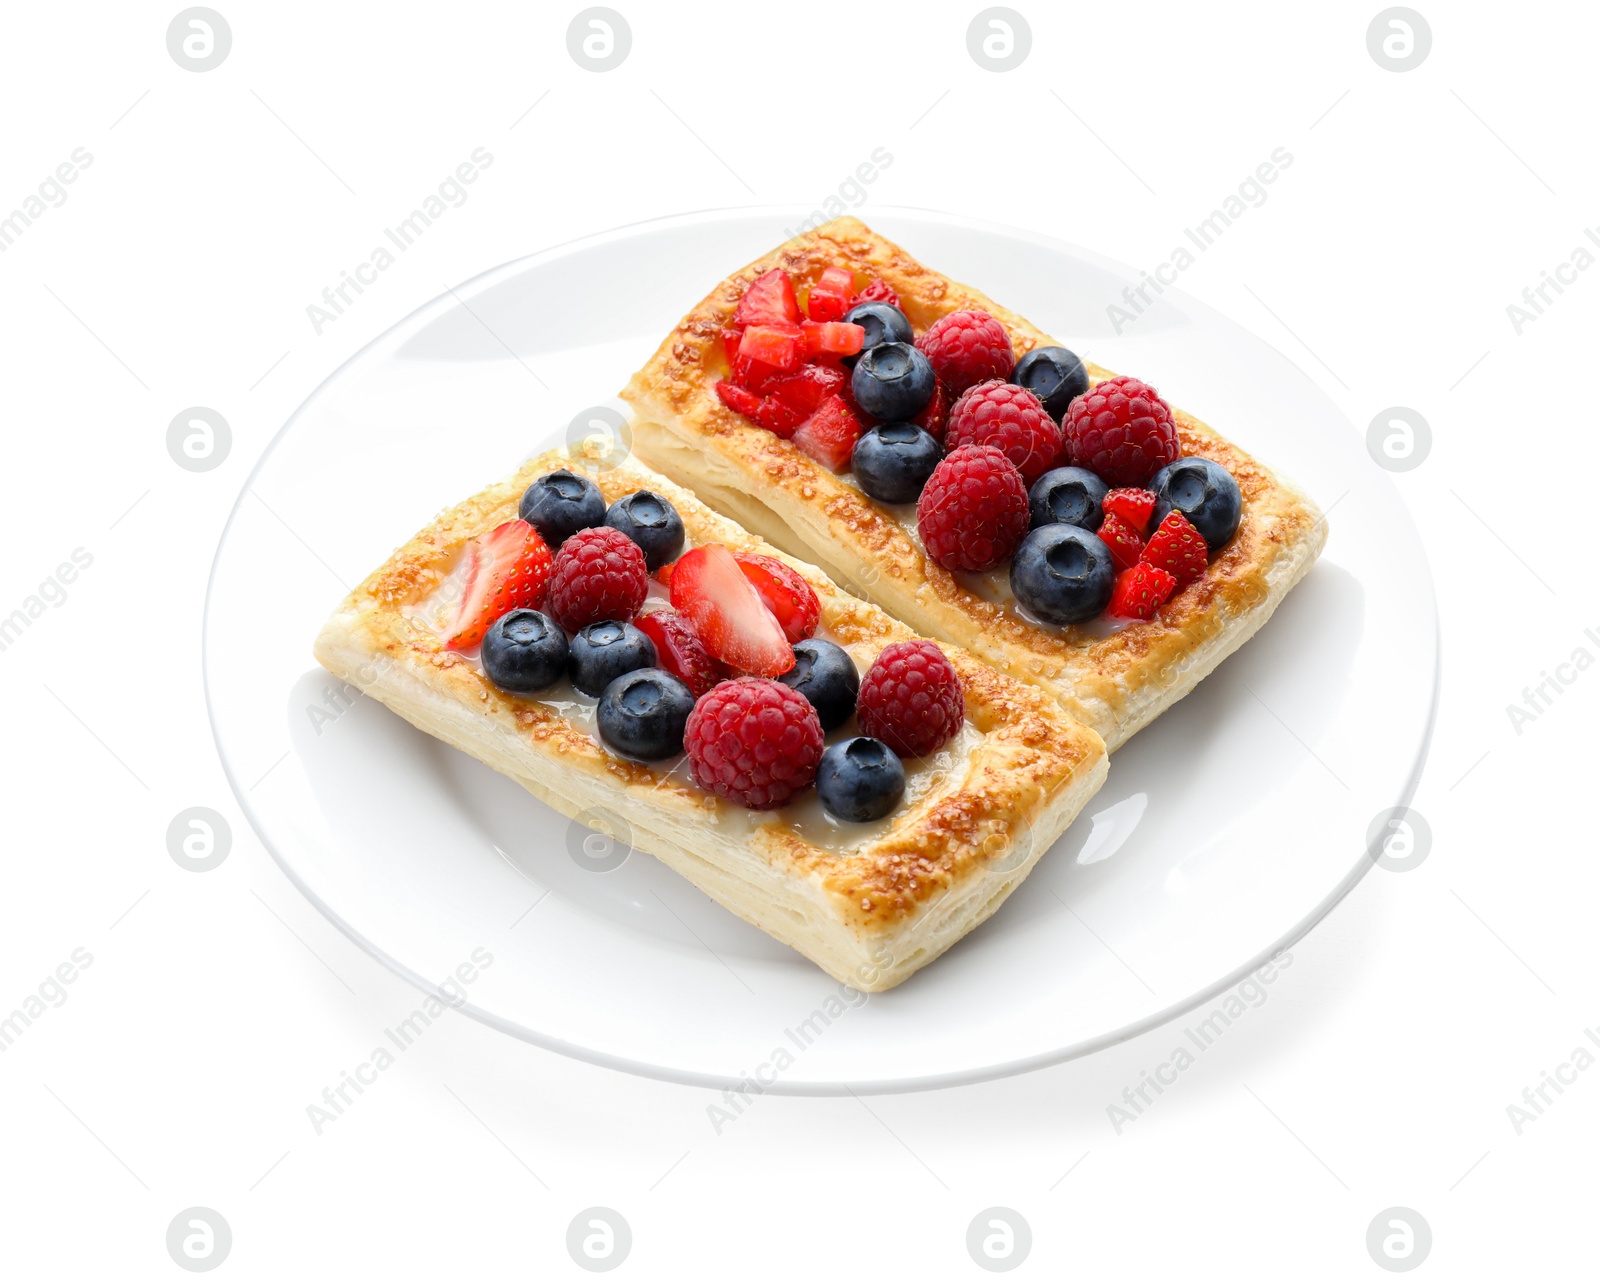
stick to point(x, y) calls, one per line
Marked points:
point(869, 905)
point(1116, 681)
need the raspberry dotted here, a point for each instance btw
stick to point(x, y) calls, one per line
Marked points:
point(755, 742)
point(966, 348)
point(599, 575)
point(911, 699)
point(876, 291)
point(1012, 420)
point(1122, 539)
point(1122, 431)
point(1133, 505)
point(973, 512)
point(1177, 547)
point(1140, 591)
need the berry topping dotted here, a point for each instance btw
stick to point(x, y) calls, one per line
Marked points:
point(1055, 375)
point(754, 742)
point(679, 651)
point(892, 381)
point(966, 348)
point(789, 596)
point(860, 780)
point(524, 651)
point(1012, 420)
point(892, 462)
point(769, 300)
point(560, 504)
point(1177, 547)
point(507, 568)
point(1205, 492)
point(876, 291)
point(599, 574)
point(830, 433)
point(644, 713)
point(1122, 539)
point(652, 522)
point(711, 592)
point(830, 296)
point(911, 698)
point(782, 346)
point(1140, 591)
point(602, 651)
point(1067, 495)
point(827, 677)
point(974, 509)
point(880, 322)
point(833, 338)
point(1122, 431)
point(781, 402)
point(1062, 574)
point(936, 412)
point(1133, 505)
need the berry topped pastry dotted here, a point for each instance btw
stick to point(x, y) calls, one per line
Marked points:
point(973, 475)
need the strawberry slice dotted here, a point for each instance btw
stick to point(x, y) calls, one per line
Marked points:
point(1122, 539)
point(1133, 505)
point(790, 597)
point(932, 417)
point(1140, 591)
point(507, 568)
point(769, 300)
point(1177, 547)
point(783, 346)
point(834, 338)
point(726, 612)
point(679, 651)
point(830, 296)
point(876, 291)
point(830, 434)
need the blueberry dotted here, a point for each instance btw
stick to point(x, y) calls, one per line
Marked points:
point(892, 381)
point(1063, 574)
point(823, 672)
point(524, 651)
point(602, 651)
point(860, 780)
point(642, 714)
point(892, 462)
point(652, 522)
point(883, 323)
point(560, 504)
point(1205, 492)
point(1067, 495)
point(1055, 375)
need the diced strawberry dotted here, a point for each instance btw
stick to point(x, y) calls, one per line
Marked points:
point(765, 411)
point(876, 291)
point(830, 296)
point(1123, 540)
point(1140, 591)
point(1177, 547)
point(679, 651)
point(790, 597)
point(1132, 505)
point(834, 338)
point(663, 575)
point(768, 300)
point(737, 398)
point(830, 434)
point(727, 613)
point(807, 387)
point(781, 346)
point(933, 415)
point(730, 343)
point(507, 568)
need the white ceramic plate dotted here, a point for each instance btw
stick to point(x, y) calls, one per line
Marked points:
point(1225, 831)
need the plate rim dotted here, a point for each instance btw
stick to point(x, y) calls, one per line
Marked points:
point(781, 1086)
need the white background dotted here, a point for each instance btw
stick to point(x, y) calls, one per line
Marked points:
point(217, 1006)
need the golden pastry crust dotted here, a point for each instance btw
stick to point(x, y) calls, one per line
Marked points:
point(1116, 683)
point(870, 914)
